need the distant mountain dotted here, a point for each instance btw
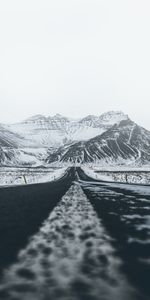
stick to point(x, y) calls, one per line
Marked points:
point(19, 157)
point(104, 121)
point(41, 131)
point(14, 153)
point(123, 142)
point(111, 138)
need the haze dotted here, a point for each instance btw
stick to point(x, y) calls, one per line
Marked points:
point(74, 57)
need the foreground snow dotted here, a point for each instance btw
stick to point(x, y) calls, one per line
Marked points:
point(97, 176)
point(127, 176)
point(15, 176)
point(139, 189)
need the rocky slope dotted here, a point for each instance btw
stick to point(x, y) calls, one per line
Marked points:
point(14, 150)
point(109, 138)
point(10, 139)
point(123, 142)
point(41, 131)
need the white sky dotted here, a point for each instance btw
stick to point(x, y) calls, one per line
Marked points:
point(74, 57)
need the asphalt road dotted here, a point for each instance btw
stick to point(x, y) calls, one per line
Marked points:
point(91, 240)
point(22, 211)
point(126, 216)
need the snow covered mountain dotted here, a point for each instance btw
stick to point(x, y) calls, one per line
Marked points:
point(125, 142)
point(40, 131)
point(20, 157)
point(14, 152)
point(104, 121)
point(109, 138)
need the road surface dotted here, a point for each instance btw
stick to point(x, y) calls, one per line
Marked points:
point(74, 239)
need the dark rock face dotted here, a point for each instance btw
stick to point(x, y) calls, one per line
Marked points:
point(123, 141)
point(109, 138)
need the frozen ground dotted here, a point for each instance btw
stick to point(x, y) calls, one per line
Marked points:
point(16, 176)
point(128, 176)
point(138, 189)
point(70, 258)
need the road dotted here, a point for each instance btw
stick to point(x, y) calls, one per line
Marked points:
point(22, 211)
point(74, 239)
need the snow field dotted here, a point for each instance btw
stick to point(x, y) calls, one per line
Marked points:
point(141, 177)
point(26, 176)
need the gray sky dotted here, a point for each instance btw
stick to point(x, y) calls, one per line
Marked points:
point(74, 57)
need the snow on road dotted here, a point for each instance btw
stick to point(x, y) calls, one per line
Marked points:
point(142, 190)
point(70, 258)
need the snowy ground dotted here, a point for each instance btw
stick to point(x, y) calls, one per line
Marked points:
point(70, 258)
point(138, 189)
point(136, 176)
point(16, 176)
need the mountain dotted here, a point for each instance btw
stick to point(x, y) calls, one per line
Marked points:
point(104, 121)
point(13, 151)
point(111, 138)
point(40, 131)
point(19, 157)
point(125, 142)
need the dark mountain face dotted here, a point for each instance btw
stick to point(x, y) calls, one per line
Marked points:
point(110, 138)
point(123, 141)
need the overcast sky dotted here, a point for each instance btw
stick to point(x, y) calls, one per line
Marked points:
point(74, 57)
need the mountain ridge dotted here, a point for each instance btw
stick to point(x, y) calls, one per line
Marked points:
point(122, 142)
point(58, 130)
point(109, 138)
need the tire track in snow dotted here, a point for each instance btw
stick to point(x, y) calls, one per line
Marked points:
point(71, 258)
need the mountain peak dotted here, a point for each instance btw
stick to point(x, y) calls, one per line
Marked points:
point(89, 117)
point(114, 113)
point(58, 116)
point(112, 137)
point(36, 118)
point(113, 117)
